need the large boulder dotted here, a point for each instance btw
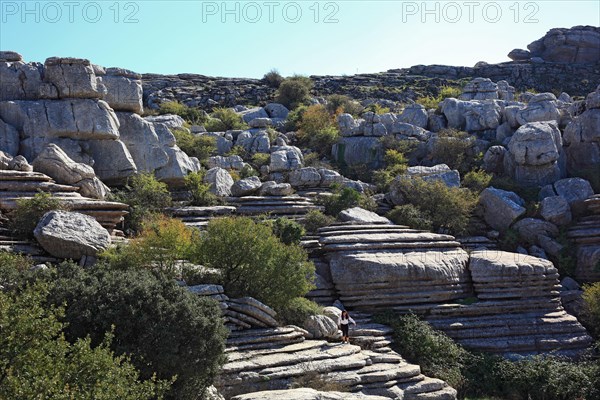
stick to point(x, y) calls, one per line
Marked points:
point(21, 81)
point(357, 215)
point(305, 177)
point(276, 110)
point(579, 44)
point(219, 180)
point(582, 137)
point(534, 153)
point(285, 158)
point(142, 141)
point(71, 235)
point(246, 186)
point(73, 78)
point(254, 141)
point(556, 209)
point(256, 112)
point(501, 208)
point(348, 126)
point(493, 160)
point(574, 190)
point(414, 114)
point(541, 107)
point(230, 162)
point(366, 150)
point(55, 163)
point(9, 139)
point(113, 163)
point(272, 188)
point(40, 121)
point(320, 326)
point(124, 90)
point(480, 89)
point(440, 172)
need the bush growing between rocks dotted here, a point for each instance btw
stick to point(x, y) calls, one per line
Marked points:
point(294, 91)
point(287, 230)
point(377, 109)
point(448, 208)
point(591, 297)
point(346, 197)
point(37, 362)
point(478, 375)
point(339, 103)
point(396, 164)
point(317, 129)
point(273, 78)
point(12, 268)
point(200, 191)
point(199, 146)
point(294, 117)
point(477, 180)
point(145, 196)
point(315, 219)
point(24, 219)
point(430, 102)
point(411, 216)
point(253, 261)
point(165, 329)
point(224, 119)
point(192, 115)
point(298, 310)
point(452, 148)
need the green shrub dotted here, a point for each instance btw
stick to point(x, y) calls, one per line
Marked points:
point(448, 208)
point(452, 148)
point(477, 180)
point(294, 117)
point(253, 262)
point(12, 268)
point(287, 230)
point(298, 310)
point(339, 103)
point(192, 115)
point(411, 216)
point(260, 159)
point(29, 211)
point(37, 362)
point(224, 119)
point(199, 146)
point(145, 196)
point(200, 191)
point(166, 329)
point(445, 92)
point(346, 197)
point(396, 164)
point(273, 78)
point(377, 109)
point(247, 171)
point(294, 91)
point(591, 298)
point(315, 219)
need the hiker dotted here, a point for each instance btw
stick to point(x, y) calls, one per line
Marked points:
point(344, 323)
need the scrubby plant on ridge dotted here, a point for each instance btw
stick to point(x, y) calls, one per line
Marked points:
point(344, 197)
point(25, 217)
point(191, 115)
point(294, 91)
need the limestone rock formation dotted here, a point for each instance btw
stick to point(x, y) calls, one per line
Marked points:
point(501, 208)
point(246, 186)
point(582, 137)
point(71, 235)
point(219, 180)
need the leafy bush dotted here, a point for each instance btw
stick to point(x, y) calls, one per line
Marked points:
point(591, 298)
point(411, 216)
point(200, 191)
point(298, 310)
point(145, 196)
point(377, 109)
point(166, 329)
point(287, 230)
point(273, 78)
point(37, 362)
point(396, 164)
point(192, 115)
point(315, 219)
point(294, 91)
point(247, 171)
point(339, 103)
point(12, 267)
point(453, 148)
point(477, 180)
point(29, 211)
point(224, 119)
point(253, 261)
point(260, 159)
point(346, 197)
point(430, 102)
point(447, 208)
point(294, 117)
point(199, 146)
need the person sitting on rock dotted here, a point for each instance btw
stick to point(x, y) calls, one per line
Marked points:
point(344, 323)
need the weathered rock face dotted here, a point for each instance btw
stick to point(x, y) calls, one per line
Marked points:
point(124, 90)
point(582, 137)
point(541, 107)
point(71, 235)
point(321, 326)
point(245, 187)
point(9, 139)
point(580, 45)
point(73, 78)
point(586, 235)
point(285, 158)
point(534, 153)
point(54, 162)
point(219, 180)
point(501, 208)
point(359, 216)
point(440, 172)
point(359, 150)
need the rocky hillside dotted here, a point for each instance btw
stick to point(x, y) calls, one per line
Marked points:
point(227, 241)
point(564, 60)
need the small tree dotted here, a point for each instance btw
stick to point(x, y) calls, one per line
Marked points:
point(273, 78)
point(191, 115)
point(591, 297)
point(224, 119)
point(29, 211)
point(145, 196)
point(346, 197)
point(294, 91)
point(37, 362)
point(200, 191)
point(253, 262)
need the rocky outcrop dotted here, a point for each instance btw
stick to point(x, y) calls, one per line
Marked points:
point(582, 137)
point(71, 235)
point(586, 236)
point(578, 45)
point(501, 208)
point(24, 185)
point(219, 180)
point(517, 309)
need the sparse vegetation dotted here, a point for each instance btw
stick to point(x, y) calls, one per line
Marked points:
point(315, 219)
point(294, 91)
point(273, 78)
point(430, 102)
point(224, 119)
point(200, 191)
point(287, 230)
point(346, 197)
point(591, 297)
point(338, 103)
point(192, 115)
point(318, 129)
point(455, 149)
point(477, 180)
point(199, 146)
point(298, 310)
point(29, 211)
point(411, 216)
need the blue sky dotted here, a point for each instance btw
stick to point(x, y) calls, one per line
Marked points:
point(305, 37)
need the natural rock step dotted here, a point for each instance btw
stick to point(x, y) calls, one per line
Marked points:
point(305, 394)
point(200, 211)
point(441, 246)
point(26, 186)
point(344, 227)
point(410, 237)
point(9, 175)
point(528, 344)
point(496, 307)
